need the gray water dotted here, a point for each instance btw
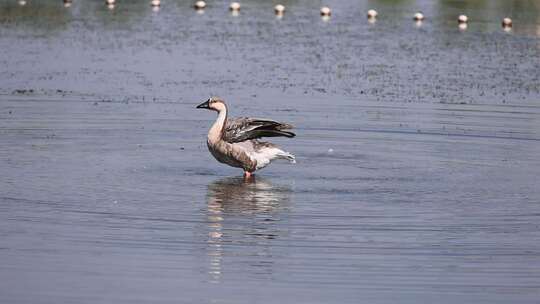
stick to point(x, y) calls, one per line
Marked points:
point(417, 149)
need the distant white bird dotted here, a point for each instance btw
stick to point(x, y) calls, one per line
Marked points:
point(326, 11)
point(279, 9)
point(507, 22)
point(235, 6)
point(235, 141)
point(200, 4)
point(372, 14)
point(418, 16)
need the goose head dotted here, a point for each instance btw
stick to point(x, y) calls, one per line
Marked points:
point(213, 103)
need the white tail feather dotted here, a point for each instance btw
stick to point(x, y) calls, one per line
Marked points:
point(265, 156)
point(288, 156)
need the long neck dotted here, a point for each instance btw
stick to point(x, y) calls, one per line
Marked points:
point(216, 131)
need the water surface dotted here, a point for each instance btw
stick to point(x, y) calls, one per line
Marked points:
point(417, 149)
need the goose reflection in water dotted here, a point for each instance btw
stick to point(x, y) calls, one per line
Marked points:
point(244, 212)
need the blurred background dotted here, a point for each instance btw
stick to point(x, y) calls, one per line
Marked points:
point(131, 50)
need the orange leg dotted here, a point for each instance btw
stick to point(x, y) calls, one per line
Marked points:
point(247, 175)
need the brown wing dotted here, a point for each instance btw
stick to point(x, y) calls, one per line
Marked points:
point(242, 129)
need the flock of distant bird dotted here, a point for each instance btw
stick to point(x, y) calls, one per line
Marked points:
point(279, 9)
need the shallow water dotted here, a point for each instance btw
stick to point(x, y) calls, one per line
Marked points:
point(417, 149)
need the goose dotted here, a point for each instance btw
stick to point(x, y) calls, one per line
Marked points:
point(235, 141)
